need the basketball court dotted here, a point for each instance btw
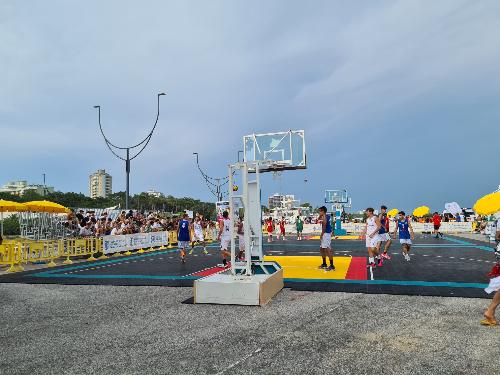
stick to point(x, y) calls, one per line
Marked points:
point(444, 267)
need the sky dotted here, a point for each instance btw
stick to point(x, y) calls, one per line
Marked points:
point(399, 100)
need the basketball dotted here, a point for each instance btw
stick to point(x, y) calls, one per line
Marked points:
point(235, 187)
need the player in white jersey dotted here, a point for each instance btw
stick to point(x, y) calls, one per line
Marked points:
point(372, 237)
point(241, 239)
point(198, 235)
point(225, 233)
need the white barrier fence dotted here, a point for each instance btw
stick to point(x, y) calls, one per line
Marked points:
point(113, 244)
point(356, 228)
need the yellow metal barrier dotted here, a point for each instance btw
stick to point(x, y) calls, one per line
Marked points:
point(39, 251)
point(172, 239)
point(207, 234)
point(78, 247)
point(10, 255)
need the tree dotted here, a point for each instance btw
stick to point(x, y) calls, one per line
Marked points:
point(11, 226)
point(141, 202)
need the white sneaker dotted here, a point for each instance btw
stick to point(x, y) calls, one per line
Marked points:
point(407, 257)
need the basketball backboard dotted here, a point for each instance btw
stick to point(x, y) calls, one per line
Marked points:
point(336, 196)
point(281, 150)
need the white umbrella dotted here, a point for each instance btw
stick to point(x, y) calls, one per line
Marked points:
point(453, 208)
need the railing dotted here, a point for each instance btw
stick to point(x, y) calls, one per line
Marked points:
point(16, 253)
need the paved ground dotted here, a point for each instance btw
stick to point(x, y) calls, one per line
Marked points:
point(70, 329)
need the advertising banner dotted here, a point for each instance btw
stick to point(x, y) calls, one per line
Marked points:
point(123, 242)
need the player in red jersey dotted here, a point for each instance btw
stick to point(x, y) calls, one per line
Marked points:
point(282, 228)
point(436, 219)
point(270, 229)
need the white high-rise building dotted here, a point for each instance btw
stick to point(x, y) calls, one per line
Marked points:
point(100, 184)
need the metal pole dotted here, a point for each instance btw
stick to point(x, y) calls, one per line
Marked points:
point(231, 217)
point(44, 185)
point(127, 171)
point(246, 223)
point(141, 145)
point(219, 195)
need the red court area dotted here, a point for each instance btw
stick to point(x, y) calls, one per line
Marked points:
point(357, 269)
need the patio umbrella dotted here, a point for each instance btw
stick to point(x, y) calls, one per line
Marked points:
point(393, 212)
point(487, 205)
point(8, 206)
point(453, 208)
point(421, 211)
point(46, 206)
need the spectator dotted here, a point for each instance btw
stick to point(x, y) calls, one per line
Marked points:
point(86, 230)
point(117, 229)
point(80, 217)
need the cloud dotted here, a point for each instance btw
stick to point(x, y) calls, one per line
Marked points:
point(355, 76)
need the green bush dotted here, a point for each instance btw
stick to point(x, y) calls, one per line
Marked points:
point(11, 226)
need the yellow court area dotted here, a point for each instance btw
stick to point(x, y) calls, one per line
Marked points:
point(306, 267)
point(346, 237)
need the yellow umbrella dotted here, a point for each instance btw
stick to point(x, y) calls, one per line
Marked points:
point(421, 211)
point(393, 212)
point(8, 206)
point(46, 206)
point(487, 205)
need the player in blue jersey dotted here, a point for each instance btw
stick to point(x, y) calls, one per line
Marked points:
point(184, 236)
point(326, 239)
point(384, 232)
point(405, 234)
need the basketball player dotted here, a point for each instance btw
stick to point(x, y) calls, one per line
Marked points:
point(270, 229)
point(225, 237)
point(326, 239)
point(436, 219)
point(241, 239)
point(198, 235)
point(405, 234)
point(384, 233)
point(372, 237)
point(282, 228)
point(299, 224)
point(184, 236)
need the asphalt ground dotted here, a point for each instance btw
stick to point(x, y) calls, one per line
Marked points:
point(95, 329)
point(439, 267)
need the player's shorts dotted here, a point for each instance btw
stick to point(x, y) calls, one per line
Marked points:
point(372, 242)
point(198, 236)
point(384, 237)
point(326, 241)
point(406, 241)
point(436, 227)
point(299, 230)
point(282, 231)
point(241, 242)
point(183, 244)
point(225, 242)
point(493, 286)
point(270, 232)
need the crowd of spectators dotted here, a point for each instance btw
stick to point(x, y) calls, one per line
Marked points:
point(87, 224)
